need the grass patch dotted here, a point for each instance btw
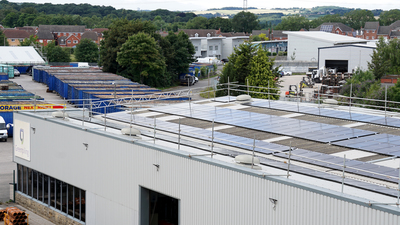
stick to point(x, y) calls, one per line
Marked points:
point(207, 93)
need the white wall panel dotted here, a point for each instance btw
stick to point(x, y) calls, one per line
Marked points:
point(112, 171)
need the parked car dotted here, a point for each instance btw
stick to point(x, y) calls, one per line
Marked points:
point(16, 73)
point(286, 73)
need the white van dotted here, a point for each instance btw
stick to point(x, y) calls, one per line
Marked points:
point(3, 129)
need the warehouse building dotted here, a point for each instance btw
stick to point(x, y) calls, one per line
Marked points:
point(210, 162)
point(303, 46)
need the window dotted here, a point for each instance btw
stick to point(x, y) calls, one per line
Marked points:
point(367, 37)
point(216, 47)
point(12, 39)
point(196, 48)
point(75, 41)
point(40, 41)
point(210, 48)
point(62, 197)
point(69, 41)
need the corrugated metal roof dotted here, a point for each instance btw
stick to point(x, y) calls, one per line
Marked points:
point(20, 55)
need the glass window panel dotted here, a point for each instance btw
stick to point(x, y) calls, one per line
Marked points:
point(64, 201)
point(29, 181)
point(52, 192)
point(58, 194)
point(71, 200)
point(35, 184)
point(20, 176)
point(77, 203)
point(25, 183)
point(40, 186)
point(83, 205)
point(46, 189)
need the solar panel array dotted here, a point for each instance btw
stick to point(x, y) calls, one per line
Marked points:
point(336, 163)
point(203, 134)
point(318, 174)
point(268, 148)
point(269, 123)
point(380, 120)
point(326, 28)
point(386, 144)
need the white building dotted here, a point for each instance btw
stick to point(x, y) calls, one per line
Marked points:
point(345, 58)
point(88, 172)
point(303, 45)
point(220, 47)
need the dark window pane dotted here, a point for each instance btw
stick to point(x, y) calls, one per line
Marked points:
point(58, 194)
point(35, 184)
point(77, 203)
point(20, 176)
point(46, 189)
point(29, 181)
point(83, 205)
point(71, 200)
point(25, 190)
point(52, 192)
point(41, 188)
point(64, 197)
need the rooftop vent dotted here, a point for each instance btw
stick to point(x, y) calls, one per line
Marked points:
point(243, 99)
point(196, 34)
point(130, 131)
point(208, 35)
point(59, 114)
point(247, 161)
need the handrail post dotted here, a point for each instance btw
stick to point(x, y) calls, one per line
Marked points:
point(344, 166)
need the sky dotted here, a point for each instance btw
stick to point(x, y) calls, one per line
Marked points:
point(196, 5)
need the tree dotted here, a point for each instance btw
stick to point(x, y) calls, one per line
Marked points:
point(141, 54)
point(183, 51)
point(197, 23)
point(32, 40)
point(293, 23)
point(335, 18)
point(389, 17)
point(3, 39)
point(118, 33)
point(357, 18)
point(262, 75)
point(385, 58)
point(219, 23)
point(87, 51)
point(245, 22)
point(159, 23)
point(56, 53)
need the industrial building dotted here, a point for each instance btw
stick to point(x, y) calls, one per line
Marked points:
point(222, 161)
point(219, 47)
point(303, 46)
point(346, 58)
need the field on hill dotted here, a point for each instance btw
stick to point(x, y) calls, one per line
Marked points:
point(255, 11)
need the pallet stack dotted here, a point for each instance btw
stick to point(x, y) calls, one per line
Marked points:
point(15, 216)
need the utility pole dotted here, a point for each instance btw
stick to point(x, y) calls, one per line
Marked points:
point(244, 5)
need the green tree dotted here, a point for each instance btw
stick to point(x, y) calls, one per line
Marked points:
point(32, 40)
point(357, 18)
point(118, 33)
point(220, 23)
point(159, 23)
point(262, 75)
point(335, 18)
point(141, 54)
point(86, 51)
point(56, 53)
point(3, 39)
point(293, 23)
point(388, 17)
point(183, 51)
point(385, 58)
point(245, 22)
point(197, 23)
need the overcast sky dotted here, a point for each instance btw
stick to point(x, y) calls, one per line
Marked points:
point(183, 5)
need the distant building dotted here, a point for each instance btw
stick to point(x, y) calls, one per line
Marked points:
point(271, 34)
point(335, 28)
point(65, 33)
point(372, 31)
point(15, 37)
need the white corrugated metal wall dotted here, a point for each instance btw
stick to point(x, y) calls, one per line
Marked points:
point(305, 49)
point(112, 172)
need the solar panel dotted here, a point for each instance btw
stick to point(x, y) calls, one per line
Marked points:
point(388, 121)
point(274, 124)
point(352, 166)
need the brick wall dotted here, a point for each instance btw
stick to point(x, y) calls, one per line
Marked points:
point(44, 211)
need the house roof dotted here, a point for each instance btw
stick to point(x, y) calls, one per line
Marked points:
point(13, 33)
point(30, 30)
point(278, 33)
point(89, 35)
point(325, 36)
point(45, 34)
point(384, 30)
point(62, 28)
point(200, 32)
point(395, 25)
point(328, 27)
point(99, 30)
point(371, 25)
point(234, 34)
point(395, 34)
point(258, 32)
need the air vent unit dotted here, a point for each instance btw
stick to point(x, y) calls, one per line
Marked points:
point(243, 99)
point(248, 161)
point(130, 131)
point(59, 114)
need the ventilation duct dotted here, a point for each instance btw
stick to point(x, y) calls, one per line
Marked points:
point(243, 99)
point(248, 161)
